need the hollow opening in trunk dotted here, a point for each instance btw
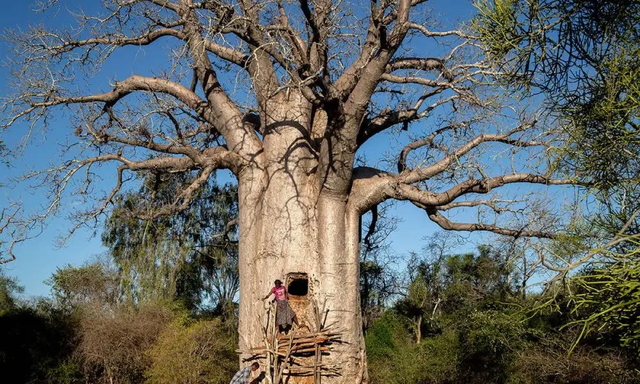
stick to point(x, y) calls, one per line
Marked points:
point(298, 285)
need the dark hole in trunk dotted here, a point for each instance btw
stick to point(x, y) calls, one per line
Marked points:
point(298, 286)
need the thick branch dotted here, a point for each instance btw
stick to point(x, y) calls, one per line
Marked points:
point(447, 224)
point(318, 21)
point(404, 191)
point(387, 119)
point(425, 173)
point(423, 64)
point(225, 114)
point(338, 149)
point(122, 89)
point(260, 67)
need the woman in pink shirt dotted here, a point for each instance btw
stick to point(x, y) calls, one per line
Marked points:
point(284, 314)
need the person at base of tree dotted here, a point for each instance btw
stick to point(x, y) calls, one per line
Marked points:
point(242, 376)
point(285, 316)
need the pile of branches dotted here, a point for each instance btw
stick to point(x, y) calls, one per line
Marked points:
point(297, 353)
point(295, 349)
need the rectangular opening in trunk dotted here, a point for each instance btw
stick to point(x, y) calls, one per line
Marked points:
point(298, 285)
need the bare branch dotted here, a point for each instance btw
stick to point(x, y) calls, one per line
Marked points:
point(426, 64)
point(7, 217)
point(493, 204)
point(620, 237)
point(407, 192)
point(428, 141)
point(424, 173)
point(182, 201)
point(428, 33)
point(447, 224)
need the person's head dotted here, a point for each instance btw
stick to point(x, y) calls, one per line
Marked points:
point(255, 366)
point(278, 283)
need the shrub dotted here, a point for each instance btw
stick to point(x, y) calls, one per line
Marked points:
point(395, 359)
point(113, 342)
point(200, 352)
point(489, 345)
point(545, 365)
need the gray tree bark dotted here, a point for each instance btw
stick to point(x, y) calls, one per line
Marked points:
point(289, 225)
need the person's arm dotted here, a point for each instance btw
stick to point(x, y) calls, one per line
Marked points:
point(268, 294)
point(258, 379)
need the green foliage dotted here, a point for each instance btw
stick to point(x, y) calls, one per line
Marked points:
point(86, 334)
point(484, 332)
point(489, 343)
point(582, 55)
point(394, 358)
point(69, 372)
point(190, 256)
point(603, 123)
point(196, 352)
point(380, 339)
point(93, 283)
point(497, 26)
point(452, 285)
point(8, 289)
point(608, 303)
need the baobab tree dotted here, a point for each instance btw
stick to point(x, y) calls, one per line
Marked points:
point(284, 95)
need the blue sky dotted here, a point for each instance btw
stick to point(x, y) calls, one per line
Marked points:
point(39, 258)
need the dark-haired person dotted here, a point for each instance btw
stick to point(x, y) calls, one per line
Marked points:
point(285, 316)
point(242, 376)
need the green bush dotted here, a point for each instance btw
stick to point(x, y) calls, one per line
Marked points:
point(393, 358)
point(190, 353)
point(489, 345)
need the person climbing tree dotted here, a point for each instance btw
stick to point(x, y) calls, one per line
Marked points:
point(285, 316)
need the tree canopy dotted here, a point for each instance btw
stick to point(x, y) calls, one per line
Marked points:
point(355, 69)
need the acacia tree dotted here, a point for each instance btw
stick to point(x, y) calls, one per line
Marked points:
point(582, 55)
point(284, 94)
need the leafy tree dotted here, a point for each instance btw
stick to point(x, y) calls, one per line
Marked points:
point(95, 283)
point(455, 285)
point(418, 298)
point(489, 341)
point(607, 303)
point(472, 279)
point(395, 359)
point(582, 55)
point(190, 256)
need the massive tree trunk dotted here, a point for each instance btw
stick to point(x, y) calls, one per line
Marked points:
point(291, 230)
